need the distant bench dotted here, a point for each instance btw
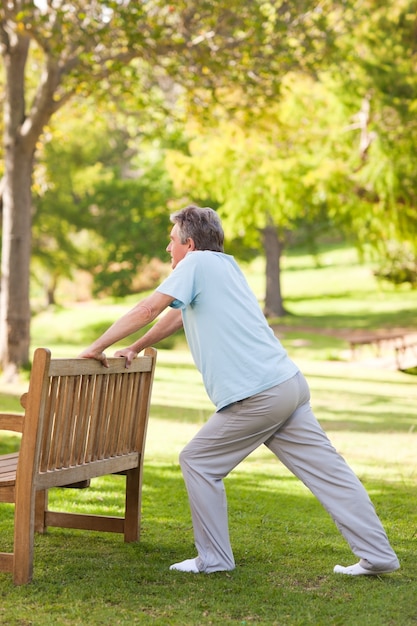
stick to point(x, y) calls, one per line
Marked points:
point(403, 344)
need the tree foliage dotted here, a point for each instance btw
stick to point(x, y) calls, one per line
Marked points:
point(337, 150)
point(378, 66)
point(278, 179)
point(106, 45)
point(224, 60)
point(101, 202)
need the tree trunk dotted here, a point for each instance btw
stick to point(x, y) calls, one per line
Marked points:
point(273, 247)
point(21, 134)
point(15, 266)
point(16, 224)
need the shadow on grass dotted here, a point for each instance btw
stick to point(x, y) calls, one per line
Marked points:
point(334, 418)
point(261, 505)
point(379, 423)
point(405, 379)
point(280, 534)
point(180, 414)
point(330, 416)
point(285, 546)
point(363, 319)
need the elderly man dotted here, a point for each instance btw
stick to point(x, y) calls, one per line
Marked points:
point(260, 396)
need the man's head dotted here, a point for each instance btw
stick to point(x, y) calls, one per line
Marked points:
point(195, 228)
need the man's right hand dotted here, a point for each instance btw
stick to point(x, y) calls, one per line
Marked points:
point(128, 354)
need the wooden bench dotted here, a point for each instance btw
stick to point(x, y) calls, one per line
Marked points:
point(402, 346)
point(81, 420)
point(406, 356)
point(377, 340)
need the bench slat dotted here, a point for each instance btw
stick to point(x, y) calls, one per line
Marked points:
point(8, 465)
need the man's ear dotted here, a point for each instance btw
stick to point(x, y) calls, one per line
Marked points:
point(191, 244)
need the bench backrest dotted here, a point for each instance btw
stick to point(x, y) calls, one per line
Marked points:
point(82, 419)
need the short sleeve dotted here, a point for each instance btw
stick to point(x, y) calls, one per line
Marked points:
point(177, 304)
point(181, 283)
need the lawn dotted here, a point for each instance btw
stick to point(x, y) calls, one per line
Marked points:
point(285, 544)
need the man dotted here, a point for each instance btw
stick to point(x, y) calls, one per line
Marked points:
point(260, 396)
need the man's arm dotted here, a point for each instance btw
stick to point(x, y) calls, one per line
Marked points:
point(141, 315)
point(166, 326)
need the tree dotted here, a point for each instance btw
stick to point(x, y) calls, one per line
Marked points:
point(131, 219)
point(364, 181)
point(283, 175)
point(90, 47)
point(100, 194)
point(378, 70)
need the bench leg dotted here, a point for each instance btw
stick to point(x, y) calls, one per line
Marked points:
point(23, 543)
point(41, 506)
point(133, 504)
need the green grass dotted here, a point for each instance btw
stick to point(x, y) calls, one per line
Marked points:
point(285, 544)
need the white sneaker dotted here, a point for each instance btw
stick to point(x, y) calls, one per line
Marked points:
point(358, 570)
point(189, 565)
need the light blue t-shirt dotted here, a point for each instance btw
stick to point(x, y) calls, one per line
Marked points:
point(230, 340)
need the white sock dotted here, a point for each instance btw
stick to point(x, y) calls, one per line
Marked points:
point(358, 570)
point(189, 565)
point(353, 570)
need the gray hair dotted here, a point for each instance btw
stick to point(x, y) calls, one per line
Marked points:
point(202, 225)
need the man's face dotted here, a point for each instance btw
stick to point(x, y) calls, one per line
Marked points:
point(177, 249)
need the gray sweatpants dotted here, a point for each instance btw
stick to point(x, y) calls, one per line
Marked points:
point(282, 419)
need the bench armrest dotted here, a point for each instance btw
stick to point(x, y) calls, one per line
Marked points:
point(12, 421)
